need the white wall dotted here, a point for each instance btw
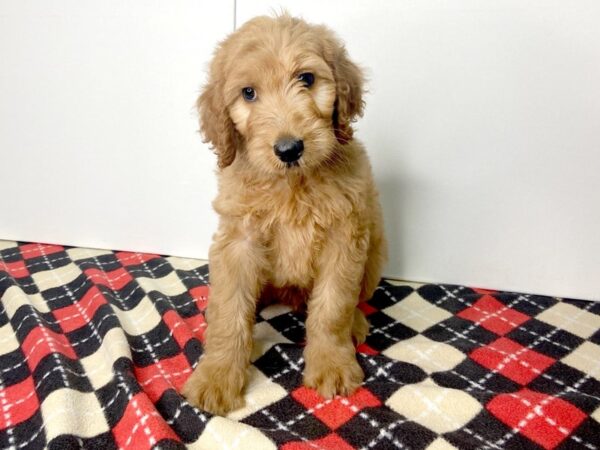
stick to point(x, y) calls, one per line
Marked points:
point(483, 125)
point(98, 137)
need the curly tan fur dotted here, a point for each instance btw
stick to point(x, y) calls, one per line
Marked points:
point(309, 235)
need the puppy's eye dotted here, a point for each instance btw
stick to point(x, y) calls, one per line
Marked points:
point(249, 94)
point(307, 78)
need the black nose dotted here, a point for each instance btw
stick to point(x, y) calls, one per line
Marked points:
point(289, 149)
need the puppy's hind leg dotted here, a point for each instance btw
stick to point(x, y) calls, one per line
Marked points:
point(376, 257)
point(217, 383)
point(360, 327)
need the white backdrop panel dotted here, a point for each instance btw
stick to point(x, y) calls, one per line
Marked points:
point(98, 136)
point(483, 127)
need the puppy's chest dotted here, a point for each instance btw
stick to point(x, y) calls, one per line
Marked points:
point(295, 221)
point(292, 250)
point(296, 229)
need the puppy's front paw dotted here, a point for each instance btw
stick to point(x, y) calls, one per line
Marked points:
point(214, 388)
point(332, 378)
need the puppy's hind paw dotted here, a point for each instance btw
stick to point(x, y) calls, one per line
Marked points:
point(360, 327)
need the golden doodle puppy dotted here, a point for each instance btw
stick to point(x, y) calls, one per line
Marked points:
point(300, 220)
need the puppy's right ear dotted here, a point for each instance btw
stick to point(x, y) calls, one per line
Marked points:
point(216, 125)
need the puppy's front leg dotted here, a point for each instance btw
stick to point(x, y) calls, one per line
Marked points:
point(331, 366)
point(217, 383)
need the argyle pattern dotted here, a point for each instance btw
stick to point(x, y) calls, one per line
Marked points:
point(95, 346)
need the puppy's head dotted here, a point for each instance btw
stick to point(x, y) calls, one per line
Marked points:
point(282, 94)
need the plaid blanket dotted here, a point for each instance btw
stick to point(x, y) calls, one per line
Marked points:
point(95, 345)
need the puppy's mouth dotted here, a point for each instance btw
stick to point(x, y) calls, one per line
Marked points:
point(292, 164)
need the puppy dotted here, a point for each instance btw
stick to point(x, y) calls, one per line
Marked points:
point(300, 220)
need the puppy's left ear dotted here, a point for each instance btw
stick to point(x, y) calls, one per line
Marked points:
point(349, 80)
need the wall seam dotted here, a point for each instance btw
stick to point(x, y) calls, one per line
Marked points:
point(234, 15)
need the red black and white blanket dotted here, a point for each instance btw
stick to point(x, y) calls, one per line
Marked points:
point(95, 345)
